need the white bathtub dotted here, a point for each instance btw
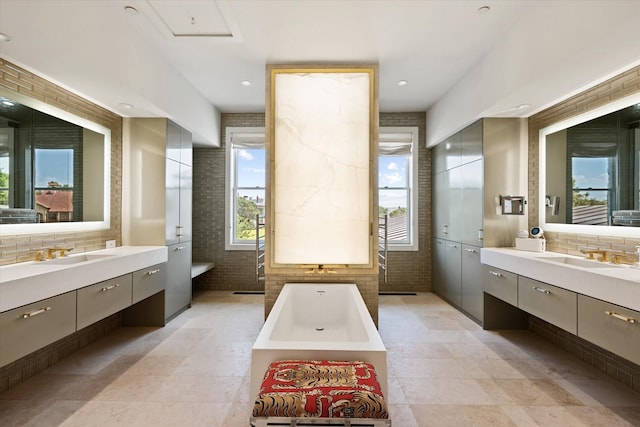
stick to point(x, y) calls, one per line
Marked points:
point(318, 321)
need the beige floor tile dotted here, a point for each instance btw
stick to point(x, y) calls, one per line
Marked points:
point(460, 415)
point(429, 368)
point(442, 370)
point(444, 392)
point(401, 415)
point(547, 416)
point(527, 392)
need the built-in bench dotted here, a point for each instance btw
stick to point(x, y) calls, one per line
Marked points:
point(200, 267)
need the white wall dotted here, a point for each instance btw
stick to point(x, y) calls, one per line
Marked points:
point(547, 69)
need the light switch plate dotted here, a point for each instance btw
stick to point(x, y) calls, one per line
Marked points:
point(111, 244)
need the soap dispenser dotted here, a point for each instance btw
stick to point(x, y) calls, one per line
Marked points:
point(637, 260)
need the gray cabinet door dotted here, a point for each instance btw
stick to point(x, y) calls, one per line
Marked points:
point(455, 186)
point(440, 205)
point(453, 272)
point(610, 326)
point(178, 287)
point(472, 282)
point(26, 329)
point(471, 142)
point(472, 203)
point(172, 202)
point(186, 195)
point(103, 299)
point(501, 284)
point(438, 278)
point(149, 281)
point(555, 305)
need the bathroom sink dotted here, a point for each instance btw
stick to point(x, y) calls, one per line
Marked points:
point(73, 259)
point(578, 262)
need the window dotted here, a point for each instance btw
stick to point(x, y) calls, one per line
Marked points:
point(245, 195)
point(54, 184)
point(397, 179)
point(398, 185)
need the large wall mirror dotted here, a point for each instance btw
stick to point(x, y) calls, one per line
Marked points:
point(589, 170)
point(54, 169)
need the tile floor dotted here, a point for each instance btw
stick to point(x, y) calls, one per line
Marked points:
point(444, 370)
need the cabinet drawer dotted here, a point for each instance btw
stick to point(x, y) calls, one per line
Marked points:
point(26, 329)
point(610, 326)
point(98, 301)
point(501, 284)
point(550, 303)
point(149, 281)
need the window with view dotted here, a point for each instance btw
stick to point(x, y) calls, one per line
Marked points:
point(397, 182)
point(246, 189)
point(397, 179)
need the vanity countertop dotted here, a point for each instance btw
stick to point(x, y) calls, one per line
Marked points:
point(618, 284)
point(28, 282)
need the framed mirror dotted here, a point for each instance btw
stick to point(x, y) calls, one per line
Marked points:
point(589, 170)
point(54, 169)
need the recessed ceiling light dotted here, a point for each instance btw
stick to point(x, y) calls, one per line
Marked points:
point(245, 83)
point(523, 106)
point(483, 10)
point(403, 83)
point(130, 9)
point(4, 38)
point(125, 106)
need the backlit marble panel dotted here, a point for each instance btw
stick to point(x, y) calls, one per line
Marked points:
point(321, 190)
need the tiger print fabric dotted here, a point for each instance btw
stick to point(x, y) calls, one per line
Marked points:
point(320, 388)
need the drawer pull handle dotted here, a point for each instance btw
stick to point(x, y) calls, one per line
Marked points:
point(473, 251)
point(108, 288)
point(620, 316)
point(35, 312)
point(544, 291)
point(152, 272)
point(179, 248)
point(493, 273)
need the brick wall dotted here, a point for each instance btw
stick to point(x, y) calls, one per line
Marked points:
point(235, 270)
point(16, 248)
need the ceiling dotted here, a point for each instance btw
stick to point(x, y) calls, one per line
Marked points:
point(186, 59)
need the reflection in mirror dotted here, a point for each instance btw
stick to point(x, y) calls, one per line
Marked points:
point(53, 168)
point(590, 170)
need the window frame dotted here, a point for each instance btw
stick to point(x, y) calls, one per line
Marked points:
point(230, 201)
point(412, 182)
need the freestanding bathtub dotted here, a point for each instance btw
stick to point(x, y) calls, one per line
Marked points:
point(318, 321)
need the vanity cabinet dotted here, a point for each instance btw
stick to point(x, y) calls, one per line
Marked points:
point(103, 299)
point(610, 326)
point(550, 303)
point(148, 281)
point(501, 284)
point(26, 329)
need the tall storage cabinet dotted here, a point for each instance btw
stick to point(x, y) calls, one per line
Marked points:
point(157, 198)
point(471, 169)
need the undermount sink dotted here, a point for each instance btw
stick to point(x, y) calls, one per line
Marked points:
point(73, 259)
point(578, 262)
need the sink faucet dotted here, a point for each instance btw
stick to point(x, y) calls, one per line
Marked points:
point(51, 252)
point(591, 253)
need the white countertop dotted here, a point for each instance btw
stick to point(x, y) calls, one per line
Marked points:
point(28, 282)
point(618, 284)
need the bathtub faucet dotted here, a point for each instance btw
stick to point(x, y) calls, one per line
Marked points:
point(320, 270)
